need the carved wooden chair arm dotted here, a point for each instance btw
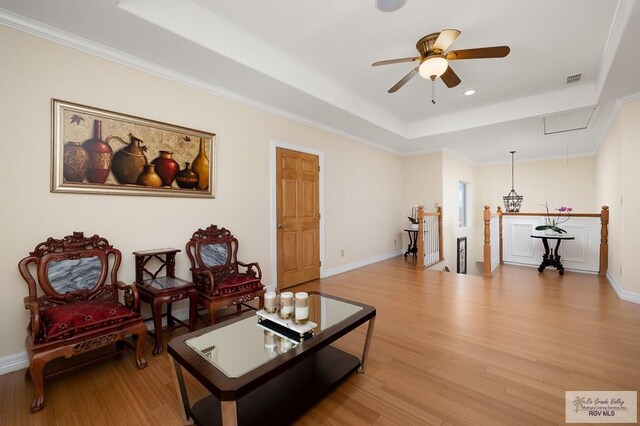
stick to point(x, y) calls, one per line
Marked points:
point(130, 295)
point(250, 267)
point(204, 281)
point(31, 303)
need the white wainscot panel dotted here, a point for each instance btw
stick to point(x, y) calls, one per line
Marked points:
point(518, 246)
point(583, 253)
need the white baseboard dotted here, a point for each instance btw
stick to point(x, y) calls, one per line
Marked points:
point(629, 296)
point(359, 264)
point(14, 362)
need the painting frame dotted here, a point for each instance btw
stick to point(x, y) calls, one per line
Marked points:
point(74, 130)
point(461, 255)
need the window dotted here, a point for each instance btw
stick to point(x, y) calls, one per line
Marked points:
point(462, 204)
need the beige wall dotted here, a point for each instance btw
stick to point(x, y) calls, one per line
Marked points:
point(362, 200)
point(557, 182)
point(421, 184)
point(618, 176)
point(456, 169)
point(435, 177)
point(422, 181)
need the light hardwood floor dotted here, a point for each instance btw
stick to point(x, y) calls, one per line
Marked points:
point(447, 349)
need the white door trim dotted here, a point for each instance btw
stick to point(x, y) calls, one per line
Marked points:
point(273, 144)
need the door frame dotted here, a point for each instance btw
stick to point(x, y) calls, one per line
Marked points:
point(273, 144)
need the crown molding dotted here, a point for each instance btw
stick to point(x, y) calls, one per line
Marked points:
point(619, 24)
point(422, 152)
point(456, 154)
point(516, 109)
point(215, 34)
point(64, 38)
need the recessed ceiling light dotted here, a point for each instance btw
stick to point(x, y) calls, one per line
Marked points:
point(469, 92)
point(389, 5)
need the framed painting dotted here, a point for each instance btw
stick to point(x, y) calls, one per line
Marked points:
point(104, 152)
point(462, 255)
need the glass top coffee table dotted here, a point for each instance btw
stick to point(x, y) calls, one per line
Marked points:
point(260, 373)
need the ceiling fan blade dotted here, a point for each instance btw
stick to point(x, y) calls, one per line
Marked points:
point(404, 80)
point(479, 53)
point(446, 39)
point(395, 61)
point(450, 78)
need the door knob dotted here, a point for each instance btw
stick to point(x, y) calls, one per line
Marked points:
point(280, 226)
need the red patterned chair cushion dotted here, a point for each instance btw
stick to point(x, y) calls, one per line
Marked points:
point(236, 283)
point(64, 321)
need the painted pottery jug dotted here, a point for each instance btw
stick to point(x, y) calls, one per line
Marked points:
point(129, 162)
point(149, 177)
point(76, 160)
point(166, 167)
point(186, 178)
point(201, 167)
point(100, 155)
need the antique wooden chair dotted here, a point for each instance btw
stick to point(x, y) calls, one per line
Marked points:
point(78, 309)
point(216, 271)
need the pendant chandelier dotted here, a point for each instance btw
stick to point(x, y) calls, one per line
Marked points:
point(513, 201)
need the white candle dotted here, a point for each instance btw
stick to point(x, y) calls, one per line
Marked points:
point(270, 302)
point(302, 307)
point(302, 313)
point(286, 305)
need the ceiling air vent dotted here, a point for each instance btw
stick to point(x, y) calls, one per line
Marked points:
point(574, 78)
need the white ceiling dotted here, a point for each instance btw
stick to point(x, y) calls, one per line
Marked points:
point(311, 61)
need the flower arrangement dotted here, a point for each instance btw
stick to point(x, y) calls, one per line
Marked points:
point(552, 222)
point(414, 215)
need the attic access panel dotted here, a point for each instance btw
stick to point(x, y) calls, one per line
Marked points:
point(568, 121)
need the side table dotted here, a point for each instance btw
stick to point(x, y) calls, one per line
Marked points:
point(413, 242)
point(165, 289)
point(551, 257)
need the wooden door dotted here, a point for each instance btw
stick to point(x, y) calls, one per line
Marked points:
point(298, 217)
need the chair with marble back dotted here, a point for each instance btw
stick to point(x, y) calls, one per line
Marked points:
point(74, 306)
point(216, 271)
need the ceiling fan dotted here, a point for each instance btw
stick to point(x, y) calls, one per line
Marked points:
point(433, 61)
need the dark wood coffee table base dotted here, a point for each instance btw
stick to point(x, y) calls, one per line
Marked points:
point(284, 398)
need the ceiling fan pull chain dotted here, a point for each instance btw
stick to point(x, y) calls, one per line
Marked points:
point(433, 91)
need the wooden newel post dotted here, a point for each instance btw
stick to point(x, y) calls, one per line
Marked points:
point(604, 240)
point(486, 216)
point(420, 262)
point(440, 238)
point(499, 212)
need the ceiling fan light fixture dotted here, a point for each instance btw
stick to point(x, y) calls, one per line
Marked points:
point(389, 5)
point(469, 92)
point(433, 67)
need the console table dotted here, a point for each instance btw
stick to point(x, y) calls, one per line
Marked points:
point(551, 257)
point(413, 242)
point(165, 289)
point(255, 381)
